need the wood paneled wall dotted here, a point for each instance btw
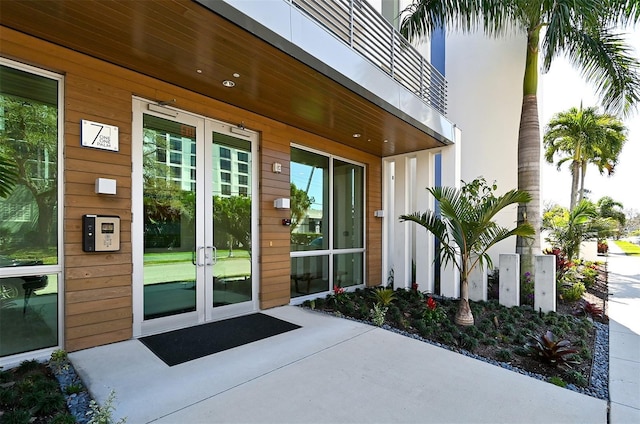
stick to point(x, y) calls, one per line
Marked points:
point(98, 286)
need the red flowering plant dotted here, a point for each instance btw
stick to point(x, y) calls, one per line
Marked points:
point(340, 295)
point(433, 313)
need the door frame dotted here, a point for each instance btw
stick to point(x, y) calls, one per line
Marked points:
point(205, 312)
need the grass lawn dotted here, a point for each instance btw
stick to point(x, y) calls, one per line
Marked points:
point(628, 247)
point(168, 257)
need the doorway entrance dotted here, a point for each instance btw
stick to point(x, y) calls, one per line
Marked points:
point(194, 193)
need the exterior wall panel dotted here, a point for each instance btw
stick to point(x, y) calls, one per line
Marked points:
point(98, 287)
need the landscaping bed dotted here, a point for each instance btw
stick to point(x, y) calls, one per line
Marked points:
point(30, 393)
point(500, 335)
point(51, 392)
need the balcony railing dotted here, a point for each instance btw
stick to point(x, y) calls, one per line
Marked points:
point(363, 29)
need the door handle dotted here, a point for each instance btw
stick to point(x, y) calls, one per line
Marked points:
point(195, 258)
point(214, 255)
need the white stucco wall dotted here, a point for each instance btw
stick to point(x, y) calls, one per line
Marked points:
point(485, 99)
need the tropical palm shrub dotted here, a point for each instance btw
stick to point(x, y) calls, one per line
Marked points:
point(466, 229)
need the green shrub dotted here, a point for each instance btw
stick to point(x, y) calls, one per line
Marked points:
point(574, 292)
point(577, 377)
point(28, 366)
point(557, 381)
point(468, 342)
point(50, 403)
point(582, 343)
point(504, 355)
point(17, 416)
point(489, 341)
point(521, 351)
point(64, 418)
point(485, 325)
point(589, 275)
point(508, 329)
point(585, 354)
point(74, 389)
point(447, 338)
point(8, 396)
point(558, 330)
point(426, 331)
point(521, 337)
point(551, 318)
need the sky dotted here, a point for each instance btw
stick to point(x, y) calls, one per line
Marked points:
point(562, 88)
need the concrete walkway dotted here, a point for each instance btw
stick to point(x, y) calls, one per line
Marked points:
point(329, 371)
point(624, 336)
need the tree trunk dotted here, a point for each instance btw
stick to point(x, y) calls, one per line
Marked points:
point(46, 206)
point(575, 173)
point(583, 171)
point(529, 155)
point(464, 315)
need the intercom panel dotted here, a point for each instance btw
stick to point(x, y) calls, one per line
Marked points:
point(100, 233)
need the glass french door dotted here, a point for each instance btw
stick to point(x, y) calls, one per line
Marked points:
point(193, 261)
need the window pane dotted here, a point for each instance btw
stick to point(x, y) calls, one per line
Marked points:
point(169, 222)
point(309, 274)
point(225, 164)
point(232, 282)
point(348, 209)
point(29, 151)
point(29, 313)
point(243, 157)
point(309, 201)
point(348, 269)
point(225, 153)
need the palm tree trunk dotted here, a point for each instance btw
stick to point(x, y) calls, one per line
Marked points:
point(575, 176)
point(529, 154)
point(464, 316)
point(583, 171)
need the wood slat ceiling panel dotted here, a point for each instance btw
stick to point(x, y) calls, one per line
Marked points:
point(172, 39)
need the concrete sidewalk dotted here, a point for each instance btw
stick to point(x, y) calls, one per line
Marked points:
point(329, 371)
point(624, 336)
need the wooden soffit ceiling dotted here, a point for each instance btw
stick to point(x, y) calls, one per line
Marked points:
point(172, 40)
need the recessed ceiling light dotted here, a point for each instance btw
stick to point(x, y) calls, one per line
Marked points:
point(199, 71)
point(386, 141)
point(236, 75)
point(357, 135)
point(228, 83)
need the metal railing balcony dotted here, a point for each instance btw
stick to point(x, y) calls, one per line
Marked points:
point(366, 31)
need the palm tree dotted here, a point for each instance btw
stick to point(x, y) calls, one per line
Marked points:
point(609, 208)
point(466, 230)
point(579, 29)
point(580, 137)
point(8, 175)
point(568, 229)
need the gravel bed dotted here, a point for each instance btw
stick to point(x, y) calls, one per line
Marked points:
point(599, 384)
point(78, 403)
